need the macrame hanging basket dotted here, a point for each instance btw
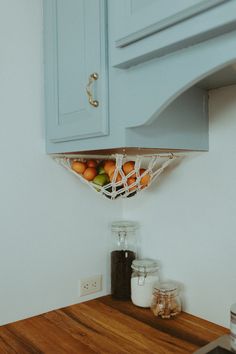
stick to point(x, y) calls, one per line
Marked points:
point(117, 176)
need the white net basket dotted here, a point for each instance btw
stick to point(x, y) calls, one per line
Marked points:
point(118, 175)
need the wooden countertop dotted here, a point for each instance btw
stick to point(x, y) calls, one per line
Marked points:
point(107, 326)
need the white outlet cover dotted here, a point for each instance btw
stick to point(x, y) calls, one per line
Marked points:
point(90, 285)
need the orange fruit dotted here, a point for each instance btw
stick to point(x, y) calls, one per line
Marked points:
point(141, 171)
point(78, 166)
point(108, 164)
point(92, 163)
point(111, 170)
point(128, 167)
point(130, 181)
point(145, 180)
point(118, 178)
point(90, 173)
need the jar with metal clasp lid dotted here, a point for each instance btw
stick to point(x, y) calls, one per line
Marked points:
point(123, 253)
point(144, 278)
point(166, 302)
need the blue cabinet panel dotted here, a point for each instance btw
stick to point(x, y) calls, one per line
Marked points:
point(137, 19)
point(148, 33)
point(75, 48)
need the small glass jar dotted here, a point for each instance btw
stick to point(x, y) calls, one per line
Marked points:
point(143, 281)
point(166, 301)
point(233, 326)
point(123, 253)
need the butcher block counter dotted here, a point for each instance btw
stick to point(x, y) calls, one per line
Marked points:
point(107, 326)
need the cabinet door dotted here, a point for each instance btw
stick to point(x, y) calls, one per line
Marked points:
point(75, 48)
point(136, 19)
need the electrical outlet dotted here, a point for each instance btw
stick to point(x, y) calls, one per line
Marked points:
point(90, 285)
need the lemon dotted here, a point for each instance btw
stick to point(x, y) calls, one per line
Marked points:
point(101, 179)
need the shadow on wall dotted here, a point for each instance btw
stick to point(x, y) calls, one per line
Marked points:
point(165, 175)
point(229, 98)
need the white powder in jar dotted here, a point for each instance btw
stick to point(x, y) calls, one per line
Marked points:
point(141, 291)
point(233, 328)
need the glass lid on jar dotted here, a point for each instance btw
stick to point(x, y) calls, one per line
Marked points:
point(145, 265)
point(166, 287)
point(124, 226)
point(233, 309)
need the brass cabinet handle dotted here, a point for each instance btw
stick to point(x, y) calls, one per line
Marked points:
point(93, 77)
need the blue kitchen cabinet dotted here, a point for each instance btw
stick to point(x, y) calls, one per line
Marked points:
point(161, 103)
point(76, 80)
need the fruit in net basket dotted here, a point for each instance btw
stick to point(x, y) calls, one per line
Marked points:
point(128, 167)
point(145, 180)
point(117, 189)
point(108, 164)
point(130, 181)
point(111, 171)
point(90, 173)
point(101, 179)
point(118, 177)
point(100, 169)
point(92, 163)
point(78, 166)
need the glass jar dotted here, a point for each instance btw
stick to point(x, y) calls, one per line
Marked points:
point(143, 280)
point(122, 256)
point(166, 301)
point(233, 326)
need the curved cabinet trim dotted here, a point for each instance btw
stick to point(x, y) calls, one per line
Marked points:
point(183, 70)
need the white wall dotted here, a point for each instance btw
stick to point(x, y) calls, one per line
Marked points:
point(188, 221)
point(53, 229)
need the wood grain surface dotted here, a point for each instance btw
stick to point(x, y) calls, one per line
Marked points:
point(107, 326)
